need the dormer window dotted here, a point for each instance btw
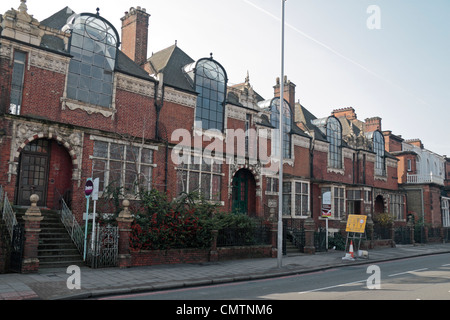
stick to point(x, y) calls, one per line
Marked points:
point(17, 82)
point(287, 124)
point(93, 44)
point(210, 83)
point(378, 148)
point(334, 137)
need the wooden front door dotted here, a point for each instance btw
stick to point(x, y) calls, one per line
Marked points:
point(33, 172)
point(240, 192)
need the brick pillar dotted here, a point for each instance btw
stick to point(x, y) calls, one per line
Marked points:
point(124, 221)
point(274, 238)
point(410, 228)
point(392, 231)
point(213, 254)
point(33, 218)
point(309, 226)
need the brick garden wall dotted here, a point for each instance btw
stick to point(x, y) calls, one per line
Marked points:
point(180, 256)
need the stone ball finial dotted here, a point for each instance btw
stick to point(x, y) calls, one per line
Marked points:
point(125, 213)
point(34, 198)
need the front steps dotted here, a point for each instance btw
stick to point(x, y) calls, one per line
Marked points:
point(56, 249)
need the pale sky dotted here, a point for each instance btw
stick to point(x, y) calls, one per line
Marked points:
point(400, 72)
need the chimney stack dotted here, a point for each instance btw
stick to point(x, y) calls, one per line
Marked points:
point(373, 124)
point(289, 91)
point(135, 34)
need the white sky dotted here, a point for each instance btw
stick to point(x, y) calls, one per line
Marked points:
point(400, 72)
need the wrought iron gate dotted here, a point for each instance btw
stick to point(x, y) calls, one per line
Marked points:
point(17, 243)
point(103, 252)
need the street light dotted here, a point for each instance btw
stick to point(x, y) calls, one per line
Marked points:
point(280, 179)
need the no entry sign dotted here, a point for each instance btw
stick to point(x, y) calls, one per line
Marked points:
point(89, 188)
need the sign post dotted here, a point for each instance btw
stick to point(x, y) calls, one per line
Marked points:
point(355, 224)
point(88, 189)
point(95, 198)
point(326, 212)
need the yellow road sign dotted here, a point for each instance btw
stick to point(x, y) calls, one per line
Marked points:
point(356, 223)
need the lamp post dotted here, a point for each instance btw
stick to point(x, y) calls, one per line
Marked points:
point(280, 179)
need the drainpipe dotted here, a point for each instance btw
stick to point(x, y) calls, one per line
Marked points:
point(158, 107)
point(311, 174)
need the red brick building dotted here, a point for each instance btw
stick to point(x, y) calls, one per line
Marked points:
point(79, 100)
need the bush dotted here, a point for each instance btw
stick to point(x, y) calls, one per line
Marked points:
point(161, 224)
point(185, 222)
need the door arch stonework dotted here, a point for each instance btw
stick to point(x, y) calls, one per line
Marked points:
point(25, 133)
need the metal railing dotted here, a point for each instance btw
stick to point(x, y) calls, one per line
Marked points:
point(72, 226)
point(8, 214)
point(103, 251)
point(235, 236)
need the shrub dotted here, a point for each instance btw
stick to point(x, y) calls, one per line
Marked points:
point(161, 224)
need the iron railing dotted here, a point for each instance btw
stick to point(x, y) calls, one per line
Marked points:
point(103, 251)
point(72, 226)
point(8, 214)
point(235, 236)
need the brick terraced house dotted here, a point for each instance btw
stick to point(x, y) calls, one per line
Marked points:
point(79, 100)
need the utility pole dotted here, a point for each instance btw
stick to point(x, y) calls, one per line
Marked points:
point(280, 179)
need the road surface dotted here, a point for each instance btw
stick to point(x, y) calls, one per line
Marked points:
point(419, 278)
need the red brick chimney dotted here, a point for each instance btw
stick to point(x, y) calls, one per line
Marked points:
point(135, 34)
point(373, 124)
point(348, 113)
point(289, 91)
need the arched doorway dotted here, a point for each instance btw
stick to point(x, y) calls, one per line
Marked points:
point(45, 169)
point(244, 193)
point(379, 204)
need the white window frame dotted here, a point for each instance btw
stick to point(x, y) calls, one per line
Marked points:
point(445, 209)
point(123, 161)
point(397, 206)
point(197, 160)
point(340, 214)
point(292, 194)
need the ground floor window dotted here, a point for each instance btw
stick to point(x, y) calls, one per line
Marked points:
point(397, 206)
point(354, 201)
point(445, 209)
point(333, 201)
point(201, 175)
point(126, 166)
point(296, 198)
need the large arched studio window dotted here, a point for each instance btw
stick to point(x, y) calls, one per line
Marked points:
point(378, 148)
point(334, 137)
point(93, 44)
point(211, 84)
point(287, 123)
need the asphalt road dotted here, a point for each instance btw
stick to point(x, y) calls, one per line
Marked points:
point(420, 278)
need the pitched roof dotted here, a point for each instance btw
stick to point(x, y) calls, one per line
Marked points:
point(59, 19)
point(170, 62)
point(304, 116)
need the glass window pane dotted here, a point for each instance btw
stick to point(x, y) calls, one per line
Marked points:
point(193, 181)
point(116, 151)
point(100, 149)
point(206, 185)
point(83, 95)
point(115, 173)
point(96, 86)
point(147, 156)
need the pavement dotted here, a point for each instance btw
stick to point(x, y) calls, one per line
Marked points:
point(52, 284)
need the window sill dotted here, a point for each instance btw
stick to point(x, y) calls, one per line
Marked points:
point(335, 170)
point(88, 108)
